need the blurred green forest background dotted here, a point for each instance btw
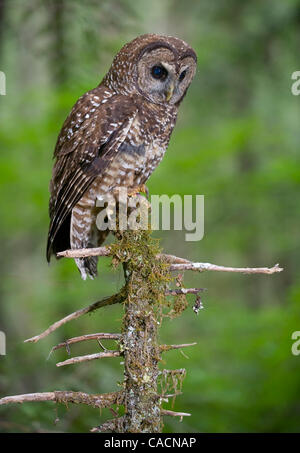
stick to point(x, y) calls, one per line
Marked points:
point(236, 141)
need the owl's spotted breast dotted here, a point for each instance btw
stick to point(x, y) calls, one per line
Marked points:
point(137, 157)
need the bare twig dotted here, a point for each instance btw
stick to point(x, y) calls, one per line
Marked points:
point(168, 347)
point(167, 396)
point(106, 251)
point(115, 299)
point(172, 258)
point(174, 414)
point(87, 358)
point(178, 371)
point(91, 336)
point(178, 292)
point(101, 345)
point(83, 253)
point(101, 400)
point(200, 267)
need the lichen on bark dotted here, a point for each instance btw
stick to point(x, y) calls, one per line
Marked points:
point(146, 282)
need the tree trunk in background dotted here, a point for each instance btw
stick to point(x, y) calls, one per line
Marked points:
point(59, 58)
point(2, 20)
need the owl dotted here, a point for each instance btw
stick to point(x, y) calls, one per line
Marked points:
point(115, 136)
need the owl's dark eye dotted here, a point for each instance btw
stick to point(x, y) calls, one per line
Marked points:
point(182, 75)
point(159, 72)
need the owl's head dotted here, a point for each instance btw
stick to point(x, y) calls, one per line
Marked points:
point(159, 68)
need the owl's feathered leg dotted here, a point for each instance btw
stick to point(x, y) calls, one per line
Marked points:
point(89, 265)
point(84, 234)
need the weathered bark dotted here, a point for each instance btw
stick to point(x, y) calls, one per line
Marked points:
point(141, 355)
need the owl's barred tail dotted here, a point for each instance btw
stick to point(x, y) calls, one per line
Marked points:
point(87, 267)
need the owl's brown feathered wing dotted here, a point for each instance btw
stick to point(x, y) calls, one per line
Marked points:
point(88, 141)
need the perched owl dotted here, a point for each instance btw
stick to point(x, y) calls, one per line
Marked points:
point(115, 136)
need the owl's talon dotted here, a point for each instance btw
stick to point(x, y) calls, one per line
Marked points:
point(146, 191)
point(138, 190)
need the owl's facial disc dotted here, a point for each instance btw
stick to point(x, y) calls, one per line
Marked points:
point(166, 74)
point(163, 77)
point(155, 75)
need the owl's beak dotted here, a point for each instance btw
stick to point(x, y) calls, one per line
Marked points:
point(169, 91)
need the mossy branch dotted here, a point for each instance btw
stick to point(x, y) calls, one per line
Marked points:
point(144, 297)
point(101, 400)
point(176, 263)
